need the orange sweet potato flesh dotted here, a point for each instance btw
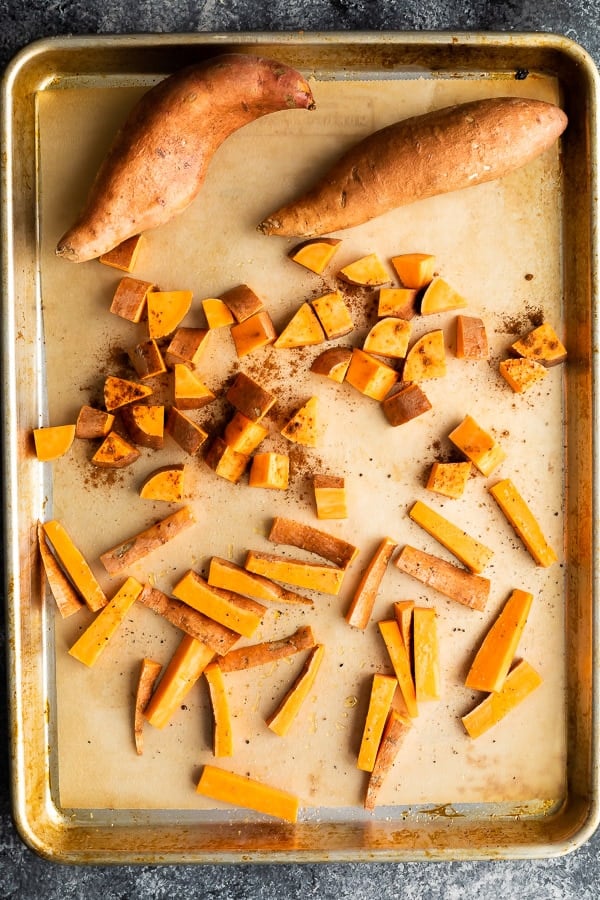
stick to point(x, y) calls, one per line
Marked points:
point(440, 151)
point(159, 159)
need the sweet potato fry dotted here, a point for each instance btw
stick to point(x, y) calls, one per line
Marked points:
point(240, 790)
point(88, 647)
point(464, 587)
point(396, 729)
point(383, 688)
point(130, 550)
point(183, 670)
point(401, 663)
point(226, 575)
point(268, 651)
point(310, 575)
point(75, 565)
point(520, 682)
point(282, 719)
point(495, 655)
point(67, 599)
point(218, 604)
point(363, 600)
point(222, 735)
point(149, 672)
point(305, 537)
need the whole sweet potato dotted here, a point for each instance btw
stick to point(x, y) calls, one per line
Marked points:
point(159, 158)
point(440, 151)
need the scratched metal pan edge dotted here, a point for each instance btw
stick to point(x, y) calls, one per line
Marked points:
point(129, 836)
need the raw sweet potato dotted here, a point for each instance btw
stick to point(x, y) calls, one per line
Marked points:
point(158, 160)
point(440, 151)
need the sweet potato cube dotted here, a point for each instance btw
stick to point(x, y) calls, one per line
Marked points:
point(330, 497)
point(497, 651)
point(247, 396)
point(426, 358)
point(523, 521)
point(477, 445)
point(256, 331)
point(53, 441)
point(440, 297)
point(383, 688)
point(123, 256)
point(115, 453)
point(218, 314)
point(283, 718)
point(303, 330)
point(242, 302)
point(426, 654)
point(270, 470)
point(129, 299)
point(165, 484)
point(522, 373)
point(519, 684)
point(225, 462)
point(166, 309)
point(144, 424)
point(184, 431)
point(242, 434)
point(415, 270)
point(405, 403)
point(471, 338)
point(333, 363)
point(314, 576)
point(147, 360)
point(303, 428)
point(450, 580)
point(542, 344)
point(120, 391)
point(187, 347)
point(189, 392)
point(315, 254)
point(469, 551)
point(388, 337)
point(333, 314)
point(449, 479)
point(297, 534)
point(368, 271)
point(369, 375)
point(400, 302)
point(93, 423)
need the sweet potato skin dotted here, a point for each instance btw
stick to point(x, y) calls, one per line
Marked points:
point(434, 153)
point(159, 158)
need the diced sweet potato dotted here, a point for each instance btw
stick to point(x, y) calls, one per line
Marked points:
point(333, 363)
point(522, 373)
point(115, 453)
point(542, 344)
point(185, 432)
point(147, 360)
point(144, 424)
point(224, 461)
point(303, 330)
point(333, 314)
point(315, 254)
point(189, 392)
point(124, 255)
point(330, 497)
point(426, 358)
point(187, 346)
point(53, 441)
point(242, 434)
point(303, 427)
point(471, 338)
point(478, 445)
point(129, 299)
point(388, 337)
point(369, 375)
point(166, 309)
point(250, 398)
point(129, 551)
point(93, 423)
point(405, 402)
point(242, 302)
point(440, 297)
point(368, 271)
point(218, 314)
point(399, 302)
point(464, 587)
point(120, 391)
point(415, 270)
point(251, 334)
point(305, 537)
point(449, 479)
point(164, 484)
point(270, 470)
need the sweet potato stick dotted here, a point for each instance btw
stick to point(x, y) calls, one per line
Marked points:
point(396, 729)
point(239, 790)
point(400, 660)
point(470, 590)
point(75, 565)
point(130, 550)
point(219, 605)
point(268, 651)
point(383, 688)
point(282, 719)
point(223, 736)
point(520, 682)
point(218, 637)
point(149, 672)
point(363, 601)
point(67, 598)
point(305, 537)
point(495, 655)
point(313, 576)
point(183, 671)
point(88, 647)
point(226, 575)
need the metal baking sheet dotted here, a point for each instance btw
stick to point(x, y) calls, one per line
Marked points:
point(520, 249)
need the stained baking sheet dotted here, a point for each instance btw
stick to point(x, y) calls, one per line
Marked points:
point(507, 247)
